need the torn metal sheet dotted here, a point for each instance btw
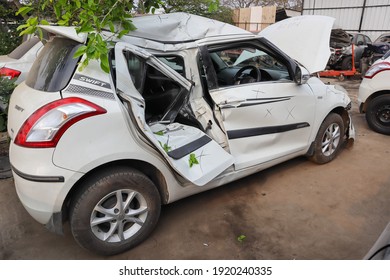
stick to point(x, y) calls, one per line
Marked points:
point(180, 28)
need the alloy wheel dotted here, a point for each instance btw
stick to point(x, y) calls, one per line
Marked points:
point(119, 215)
point(331, 139)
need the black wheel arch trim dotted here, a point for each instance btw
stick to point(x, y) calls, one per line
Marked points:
point(41, 179)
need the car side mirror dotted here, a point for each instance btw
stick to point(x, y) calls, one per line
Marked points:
point(301, 77)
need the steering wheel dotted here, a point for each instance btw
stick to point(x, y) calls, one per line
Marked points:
point(253, 76)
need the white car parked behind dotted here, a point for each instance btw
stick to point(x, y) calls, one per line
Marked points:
point(374, 95)
point(18, 63)
point(190, 104)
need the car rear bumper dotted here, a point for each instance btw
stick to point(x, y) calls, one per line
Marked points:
point(365, 90)
point(41, 186)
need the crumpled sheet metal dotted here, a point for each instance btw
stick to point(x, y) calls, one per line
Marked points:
point(181, 28)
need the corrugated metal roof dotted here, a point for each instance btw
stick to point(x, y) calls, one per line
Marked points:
point(371, 17)
point(331, 3)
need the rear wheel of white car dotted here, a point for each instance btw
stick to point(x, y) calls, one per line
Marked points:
point(378, 114)
point(115, 211)
point(329, 138)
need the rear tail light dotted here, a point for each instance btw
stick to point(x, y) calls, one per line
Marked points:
point(44, 128)
point(377, 68)
point(9, 73)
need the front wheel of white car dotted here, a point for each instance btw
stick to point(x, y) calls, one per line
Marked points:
point(115, 211)
point(329, 138)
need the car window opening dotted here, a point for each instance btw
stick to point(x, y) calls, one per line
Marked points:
point(247, 64)
point(54, 66)
point(165, 100)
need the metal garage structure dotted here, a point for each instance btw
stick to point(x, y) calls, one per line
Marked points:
point(371, 17)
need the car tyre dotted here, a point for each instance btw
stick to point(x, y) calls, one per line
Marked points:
point(114, 211)
point(329, 138)
point(378, 114)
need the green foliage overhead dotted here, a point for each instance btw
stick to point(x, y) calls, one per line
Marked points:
point(94, 16)
point(89, 16)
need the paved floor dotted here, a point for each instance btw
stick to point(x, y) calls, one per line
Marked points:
point(296, 210)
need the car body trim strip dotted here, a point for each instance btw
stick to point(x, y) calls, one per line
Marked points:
point(255, 101)
point(257, 131)
point(42, 179)
point(189, 148)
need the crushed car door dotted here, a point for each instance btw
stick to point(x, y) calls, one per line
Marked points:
point(265, 118)
point(189, 151)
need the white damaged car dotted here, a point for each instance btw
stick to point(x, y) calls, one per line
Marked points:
point(190, 104)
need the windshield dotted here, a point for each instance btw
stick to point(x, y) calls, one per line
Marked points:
point(247, 56)
point(54, 66)
point(383, 39)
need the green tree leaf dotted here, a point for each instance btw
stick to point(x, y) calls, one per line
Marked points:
point(28, 30)
point(80, 51)
point(85, 28)
point(112, 27)
point(24, 10)
point(241, 238)
point(123, 32)
point(44, 22)
point(165, 146)
point(23, 26)
point(160, 133)
point(104, 63)
point(192, 160)
point(213, 6)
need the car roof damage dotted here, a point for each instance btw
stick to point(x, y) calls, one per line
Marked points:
point(179, 31)
point(181, 28)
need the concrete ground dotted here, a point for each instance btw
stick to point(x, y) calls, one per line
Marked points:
point(296, 210)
